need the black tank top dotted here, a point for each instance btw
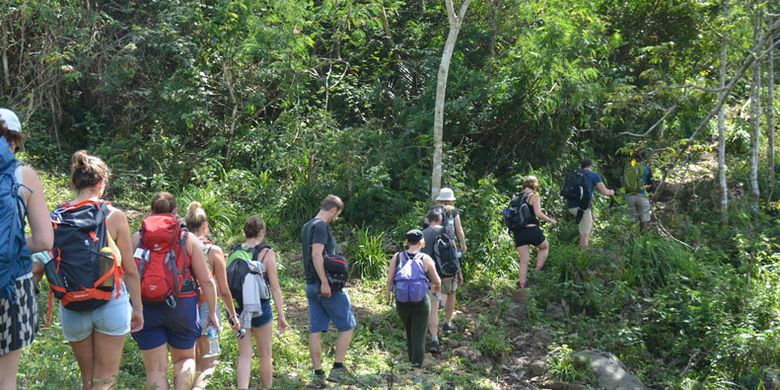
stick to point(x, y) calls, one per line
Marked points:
point(533, 220)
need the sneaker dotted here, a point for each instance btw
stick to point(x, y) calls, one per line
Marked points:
point(341, 375)
point(448, 328)
point(317, 381)
point(435, 348)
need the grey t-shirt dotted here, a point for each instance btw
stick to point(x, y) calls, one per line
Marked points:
point(316, 231)
point(429, 235)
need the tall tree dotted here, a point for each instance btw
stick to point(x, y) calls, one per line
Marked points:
point(724, 58)
point(456, 21)
point(770, 105)
point(755, 109)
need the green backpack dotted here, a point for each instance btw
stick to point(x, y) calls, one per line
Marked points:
point(633, 177)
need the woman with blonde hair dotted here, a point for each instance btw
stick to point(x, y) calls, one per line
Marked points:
point(198, 224)
point(531, 233)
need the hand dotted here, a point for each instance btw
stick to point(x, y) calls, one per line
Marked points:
point(236, 323)
point(137, 320)
point(463, 247)
point(325, 290)
point(460, 279)
point(436, 287)
point(213, 321)
point(553, 221)
point(388, 297)
point(282, 325)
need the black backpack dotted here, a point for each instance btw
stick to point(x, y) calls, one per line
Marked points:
point(82, 274)
point(518, 214)
point(337, 271)
point(336, 267)
point(238, 268)
point(445, 256)
point(574, 189)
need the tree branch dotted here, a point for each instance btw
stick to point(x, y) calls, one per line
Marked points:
point(748, 59)
point(668, 112)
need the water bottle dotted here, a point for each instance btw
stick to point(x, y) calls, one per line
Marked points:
point(213, 342)
point(106, 261)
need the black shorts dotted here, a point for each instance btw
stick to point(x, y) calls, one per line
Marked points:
point(529, 235)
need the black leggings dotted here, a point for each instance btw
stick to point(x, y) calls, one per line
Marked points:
point(414, 316)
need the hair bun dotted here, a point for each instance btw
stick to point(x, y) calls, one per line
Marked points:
point(79, 160)
point(193, 208)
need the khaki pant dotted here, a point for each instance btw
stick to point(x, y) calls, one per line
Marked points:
point(586, 223)
point(639, 206)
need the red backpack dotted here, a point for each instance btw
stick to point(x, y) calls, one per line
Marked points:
point(163, 261)
point(83, 273)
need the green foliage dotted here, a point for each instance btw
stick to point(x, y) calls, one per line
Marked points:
point(492, 342)
point(565, 366)
point(367, 254)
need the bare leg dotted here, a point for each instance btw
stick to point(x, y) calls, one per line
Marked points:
point(108, 355)
point(342, 344)
point(156, 365)
point(84, 357)
point(449, 307)
point(542, 251)
point(263, 338)
point(315, 350)
point(433, 318)
point(205, 366)
point(183, 368)
point(9, 367)
point(244, 368)
point(524, 252)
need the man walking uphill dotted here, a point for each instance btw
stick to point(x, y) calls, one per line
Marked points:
point(326, 303)
point(584, 182)
point(637, 178)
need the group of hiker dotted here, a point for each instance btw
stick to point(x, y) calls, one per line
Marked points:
point(161, 284)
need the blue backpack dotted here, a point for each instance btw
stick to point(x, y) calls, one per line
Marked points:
point(12, 213)
point(411, 284)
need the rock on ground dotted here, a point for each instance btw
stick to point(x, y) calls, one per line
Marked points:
point(612, 374)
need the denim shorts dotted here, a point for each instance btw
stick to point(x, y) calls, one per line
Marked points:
point(322, 311)
point(261, 320)
point(178, 327)
point(203, 314)
point(112, 319)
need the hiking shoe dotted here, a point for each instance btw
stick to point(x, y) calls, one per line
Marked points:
point(317, 381)
point(435, 348)
point(341, 375)
point(449, 329)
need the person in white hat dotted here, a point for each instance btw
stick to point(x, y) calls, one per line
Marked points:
point(18, 308)
point(445, 204)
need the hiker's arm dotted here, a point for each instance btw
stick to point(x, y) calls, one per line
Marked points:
point(217, 257)
point(203, 276)
point(273, 278)
point(460, 234)
point(604, 190)
point(536, 201)
point(42, 237)
point(390, 277)
point(433, 276)
point(132, 280)
point(319, 266)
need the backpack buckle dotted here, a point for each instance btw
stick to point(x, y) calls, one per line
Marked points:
point(170, 301)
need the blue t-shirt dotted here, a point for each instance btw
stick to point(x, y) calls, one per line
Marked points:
point(591, 180)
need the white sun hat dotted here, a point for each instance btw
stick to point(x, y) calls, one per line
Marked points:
point(11, 120)
point(446, 194)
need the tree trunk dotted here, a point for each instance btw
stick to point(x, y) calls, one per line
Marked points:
point(724, 58)
point(770, 106)
point(495, 5)
point(456, 20)
point(755, 113)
